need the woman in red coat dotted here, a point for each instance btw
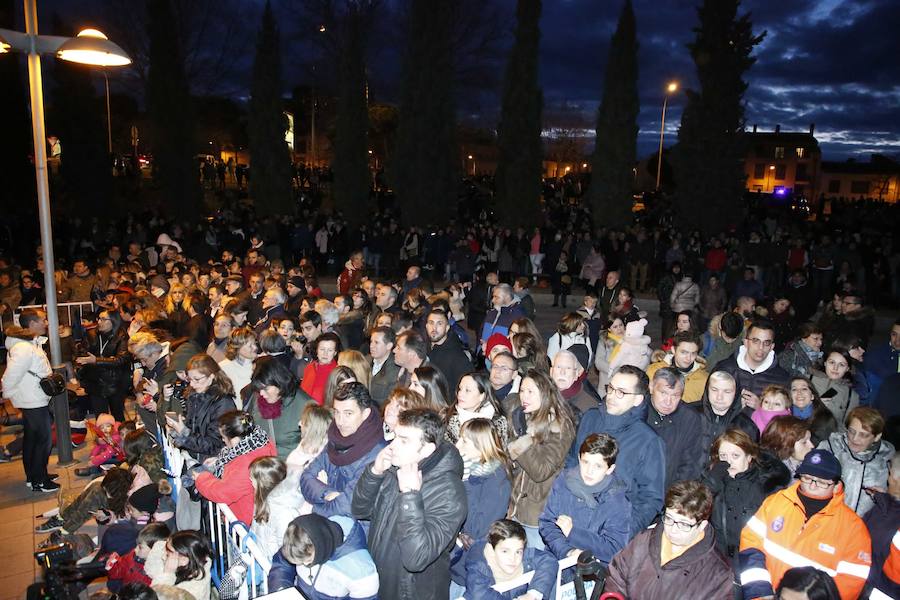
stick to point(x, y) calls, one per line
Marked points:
point(228, 478)
point(315, 376)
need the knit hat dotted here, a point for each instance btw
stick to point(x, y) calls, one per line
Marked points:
point(635, 329)
point(160, 281)
point(583, 355)
point(297, 282)
point(497, 339)
point(146, 499)
point(325, 535)
point(105, 419)
point(821, 464)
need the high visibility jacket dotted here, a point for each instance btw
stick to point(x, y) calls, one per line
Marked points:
point(778, 537)
point(890, 572)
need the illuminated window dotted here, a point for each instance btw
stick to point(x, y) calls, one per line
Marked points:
point(800, 152)
point(779, 151)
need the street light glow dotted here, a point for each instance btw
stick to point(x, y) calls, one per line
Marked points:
point(4, 47)
point(470, 157)
point(672, 87)
point(322, 28)
point(92, 47)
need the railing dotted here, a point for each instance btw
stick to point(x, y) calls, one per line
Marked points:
point(230, 538)
point(68, 307)
point(562, 591)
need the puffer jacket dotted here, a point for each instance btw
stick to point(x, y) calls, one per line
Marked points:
point(841, 403)
point(284, 506)
point(701, 572)
point(736, 499)
point(111, 374)
point(348, 574)
point(537, 466)
point(480, 578)
point(859, 471)
point(685, 295)
point(756, 381)
point(604, 529)
point(26, 365)
point(641, 463)
point(694, 380)
point(488, 499)
point(713, 425)
point(201, 438)
point(234, 488)
point(411, 533)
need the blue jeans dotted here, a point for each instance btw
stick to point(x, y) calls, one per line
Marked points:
point(456, 590)
point(534, 537)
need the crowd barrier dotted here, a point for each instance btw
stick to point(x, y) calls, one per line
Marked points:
point(65, 310)
point(231, 539)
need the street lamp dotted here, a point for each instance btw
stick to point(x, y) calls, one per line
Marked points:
point(670, 89)
point(91, 49)
point(472, 158)
point(769, 172)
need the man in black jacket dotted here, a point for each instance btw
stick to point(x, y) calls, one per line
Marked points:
point(754, 366)
point(676, 424)
point(719, 410)
point(446, 352)
point(414, 497)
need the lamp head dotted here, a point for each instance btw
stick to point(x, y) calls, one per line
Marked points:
point(4, 47)
point(91, 47)
point(672, 87)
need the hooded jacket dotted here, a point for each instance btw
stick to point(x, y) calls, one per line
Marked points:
point(480, 578)
point(641, 463)
point(755, 380)
point(694, 380)
point(603, 529)
point(411, 533)
point(26, 365)
point(500, 320)
point(860, 470)
point(349, 573)
point(701, 572)
point(736, 499)
point(713, 425)
point(201, 438)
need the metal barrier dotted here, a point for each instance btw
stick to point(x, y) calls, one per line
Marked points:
point(68, 307)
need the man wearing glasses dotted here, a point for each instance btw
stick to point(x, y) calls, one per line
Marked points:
point(806, 524)
point(855, 321)
point(753, 366)
point(677, 558)
point(642, 458)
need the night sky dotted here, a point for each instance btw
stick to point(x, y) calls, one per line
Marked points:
point(835, 63)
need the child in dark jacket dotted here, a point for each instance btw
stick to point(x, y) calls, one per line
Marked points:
point(127, 568)
point(501, 559)
point(587, 508)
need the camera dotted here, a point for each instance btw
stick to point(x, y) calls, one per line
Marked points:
point(590, 569)
point(63, 579)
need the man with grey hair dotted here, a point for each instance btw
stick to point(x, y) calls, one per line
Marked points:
point(330, 318)
point(568, 373)
point(273, 309)
point(505, 311)
point(678, 425)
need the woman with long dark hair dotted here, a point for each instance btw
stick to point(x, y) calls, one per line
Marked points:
point(183, 561)
point(276, 403)
point(475, 400)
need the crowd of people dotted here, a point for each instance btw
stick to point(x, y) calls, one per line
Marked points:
point(404, 440)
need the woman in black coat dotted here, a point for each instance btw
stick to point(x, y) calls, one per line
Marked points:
point(105, 368)
point(741, 477)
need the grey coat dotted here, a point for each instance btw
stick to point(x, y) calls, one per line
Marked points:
point(859, 471)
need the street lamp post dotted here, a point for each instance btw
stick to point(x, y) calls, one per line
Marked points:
point(472, 158)
point(671, 88)
point(769, 172)
point(92, 48)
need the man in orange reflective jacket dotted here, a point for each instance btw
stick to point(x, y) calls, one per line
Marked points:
point(806, 524)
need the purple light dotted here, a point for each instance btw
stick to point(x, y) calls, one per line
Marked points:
point(780, 192)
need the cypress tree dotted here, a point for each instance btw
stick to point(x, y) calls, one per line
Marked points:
point(518, 176)
point(615, 149)
point(170, 114)
point(351, 160)
point(270, 183)
point(709, 172)
point(426, 163)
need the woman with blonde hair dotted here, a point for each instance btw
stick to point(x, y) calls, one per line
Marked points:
point(361, 367)
point(486, 477)
point(176, 305)
point(338, 376)
point(314, 423)
point(542, 431)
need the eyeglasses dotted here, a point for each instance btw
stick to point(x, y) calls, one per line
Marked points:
point(679, 525)
point(501, 368)
point(200, 379)
point(812, 481)
point(618, 393)
point(763, 343)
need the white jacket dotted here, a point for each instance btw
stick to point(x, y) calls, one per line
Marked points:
point(26, 365)
point(284, 506)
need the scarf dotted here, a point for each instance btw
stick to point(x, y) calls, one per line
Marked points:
point(803, 413)
point(343, 451)
point(617, 339)
point(268, 410)
point(573, 389)
point(814, 356)
point(257, 439)
point(484, 412)
point(478, 469)
point(580, 489)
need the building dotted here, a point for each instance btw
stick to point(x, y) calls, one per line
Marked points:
point(779, 162)
point(878, 179)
